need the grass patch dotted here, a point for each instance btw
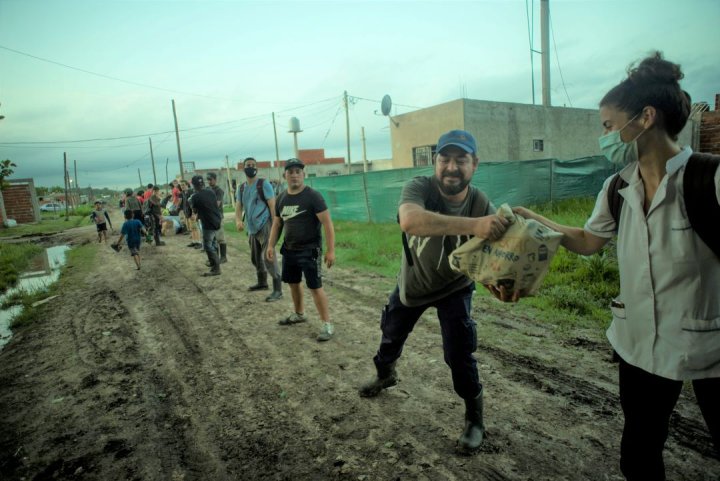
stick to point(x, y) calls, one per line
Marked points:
point(49, 224)
point(373, 247)
point(14, 258)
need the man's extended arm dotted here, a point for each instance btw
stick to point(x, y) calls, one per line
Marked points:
point(415, 220)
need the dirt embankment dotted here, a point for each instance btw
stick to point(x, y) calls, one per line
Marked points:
point(161, 374)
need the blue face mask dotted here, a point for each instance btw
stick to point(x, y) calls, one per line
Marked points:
point(619, 152)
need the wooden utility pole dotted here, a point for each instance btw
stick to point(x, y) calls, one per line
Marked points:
point(229, 182)
point(347, 127)
point(65, 175)
point(365, 163)
point(152, 159)
point(167, 177)
point(140, 179)
point(277, 151)
point(177, 138)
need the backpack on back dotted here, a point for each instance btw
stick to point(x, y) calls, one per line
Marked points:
point(701, 202)
point(259, 184)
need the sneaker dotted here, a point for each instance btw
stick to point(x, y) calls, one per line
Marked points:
point(326, 333)
point(293, 318)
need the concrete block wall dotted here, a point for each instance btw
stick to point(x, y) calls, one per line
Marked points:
point(18, 200)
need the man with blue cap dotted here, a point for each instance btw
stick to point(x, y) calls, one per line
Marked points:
point(438, 214)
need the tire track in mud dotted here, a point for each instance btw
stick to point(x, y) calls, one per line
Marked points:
point(416, 450)
point(310, 405)
point(200, 383)
point(223, 432)
point(552, 381)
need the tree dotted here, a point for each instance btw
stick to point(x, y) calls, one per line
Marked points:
point(6, 170)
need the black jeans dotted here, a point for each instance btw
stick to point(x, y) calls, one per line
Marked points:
point(648, 401)
point(458, 334)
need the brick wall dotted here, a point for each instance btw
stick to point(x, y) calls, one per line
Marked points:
point(18, 200)
point(710, 130)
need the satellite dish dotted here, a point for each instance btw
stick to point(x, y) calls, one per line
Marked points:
point(385, 107)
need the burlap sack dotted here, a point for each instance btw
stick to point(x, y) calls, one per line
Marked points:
point(518, 261)
point(168, 228)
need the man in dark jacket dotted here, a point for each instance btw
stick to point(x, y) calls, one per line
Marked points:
point(204, 205)
point(219, 195)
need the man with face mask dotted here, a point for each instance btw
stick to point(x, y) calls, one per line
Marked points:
point(256, 204)
point(438, 214)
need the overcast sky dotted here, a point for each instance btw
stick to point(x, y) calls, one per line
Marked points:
point(75, 71)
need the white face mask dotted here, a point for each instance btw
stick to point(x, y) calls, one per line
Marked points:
point(619, 152)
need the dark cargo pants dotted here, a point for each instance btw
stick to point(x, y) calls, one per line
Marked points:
point(458, 334)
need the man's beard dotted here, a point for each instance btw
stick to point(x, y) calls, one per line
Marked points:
point(453, 189)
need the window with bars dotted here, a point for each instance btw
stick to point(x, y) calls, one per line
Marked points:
point(538, 145)
point(423, 156)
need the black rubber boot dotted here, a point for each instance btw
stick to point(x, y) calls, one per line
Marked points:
point(214, 261)
point(261, 283)
point(277, 290)
point(223, 253)
point(474, 432)
point(386, 377)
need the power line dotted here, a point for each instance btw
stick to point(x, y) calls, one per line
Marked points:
point(557, 60)
point(139, 84)
point(159, 133)
point(378, 101)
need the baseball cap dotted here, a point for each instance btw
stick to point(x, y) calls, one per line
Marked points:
point(197, 180)
point(294, 163)
point(458, 138)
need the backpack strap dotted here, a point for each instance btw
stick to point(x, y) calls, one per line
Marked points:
point(615, 200)
point(261, 194)
point(701, 203)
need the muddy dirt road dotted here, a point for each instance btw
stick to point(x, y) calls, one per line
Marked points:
point(161, 374)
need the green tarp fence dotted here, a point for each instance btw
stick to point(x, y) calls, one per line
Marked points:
point(373, 196)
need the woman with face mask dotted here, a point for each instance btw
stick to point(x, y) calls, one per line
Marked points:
point(666, 320)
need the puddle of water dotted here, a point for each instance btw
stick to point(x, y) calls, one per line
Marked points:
point(42, 272)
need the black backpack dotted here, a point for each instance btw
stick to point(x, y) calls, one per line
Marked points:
point(701, 202)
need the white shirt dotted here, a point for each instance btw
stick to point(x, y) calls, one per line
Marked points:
point(669, 279)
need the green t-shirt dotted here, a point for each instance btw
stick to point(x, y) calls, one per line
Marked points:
point(431, 278)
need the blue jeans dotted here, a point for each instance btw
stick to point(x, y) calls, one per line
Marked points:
point(210, 247)
point(458, 334)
